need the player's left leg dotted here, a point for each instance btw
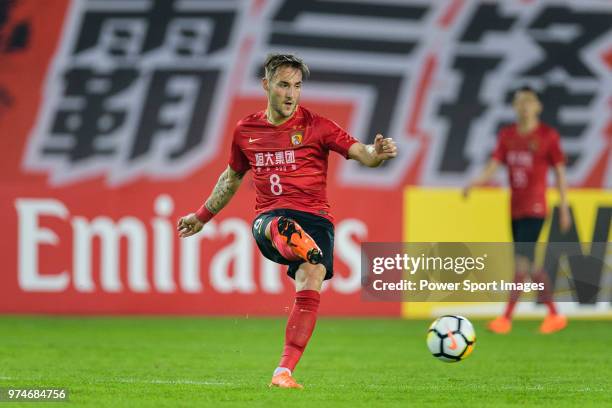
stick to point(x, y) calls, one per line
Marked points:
point(301, 322)
point(291, 241)
point(308, 276)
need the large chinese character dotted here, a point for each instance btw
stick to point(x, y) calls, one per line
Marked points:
point(333, 34)
point(131, 93)
point(85, 121)
point(286, 31)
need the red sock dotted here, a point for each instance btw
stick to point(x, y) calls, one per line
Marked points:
point(519, 277)
point(545, 295)
point(280, 242)
point(300, 326)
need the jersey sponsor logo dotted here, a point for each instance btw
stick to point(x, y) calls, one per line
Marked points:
point(520, 158)
point(270, 159)
point(251, 140)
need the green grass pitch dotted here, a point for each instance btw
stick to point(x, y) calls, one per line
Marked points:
point(191, 362)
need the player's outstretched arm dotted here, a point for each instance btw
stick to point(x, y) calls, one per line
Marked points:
point(373, 155)
point(565, 219)
point(224, 190)
point(487, 173)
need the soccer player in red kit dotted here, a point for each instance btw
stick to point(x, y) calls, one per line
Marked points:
point(528, 148)
point(286, 147)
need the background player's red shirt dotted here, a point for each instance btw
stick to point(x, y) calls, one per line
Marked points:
point(289, 161)
point(528, 158)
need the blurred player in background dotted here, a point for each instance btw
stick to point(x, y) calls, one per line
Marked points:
point(286, 147)
point(528, 148)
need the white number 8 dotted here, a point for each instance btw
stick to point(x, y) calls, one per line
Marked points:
point(275, 185)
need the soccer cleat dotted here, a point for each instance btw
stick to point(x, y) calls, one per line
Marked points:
point(299, 241)
point(501, 325)
point(553, 323)
point(284, 380)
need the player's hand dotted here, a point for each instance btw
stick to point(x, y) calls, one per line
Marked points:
point(189, 225)
point(565, 219)
point(385, 147)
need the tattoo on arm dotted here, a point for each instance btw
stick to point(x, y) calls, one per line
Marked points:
point(224, 190)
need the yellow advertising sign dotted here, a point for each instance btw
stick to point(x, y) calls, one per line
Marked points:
point(443, 215)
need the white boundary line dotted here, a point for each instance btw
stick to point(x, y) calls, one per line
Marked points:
point(133, 381)
point(473, 387)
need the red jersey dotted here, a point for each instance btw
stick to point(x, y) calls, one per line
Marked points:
point(528, 158)
point(289, 161)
